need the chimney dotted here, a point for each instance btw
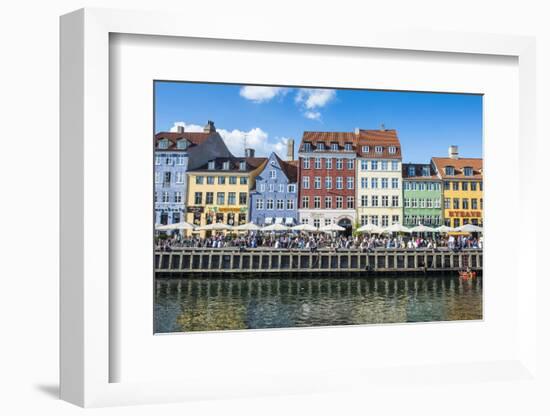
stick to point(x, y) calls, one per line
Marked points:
point(357, 131)
point(453, 152)
point(290, 149)
point(248, 152)
point(209, 128)
point(180, 129)
point(382, 127)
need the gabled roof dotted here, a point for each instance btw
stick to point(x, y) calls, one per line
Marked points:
point(459, 164)
point(193, 138)
point(382, 138)
point(290, 169)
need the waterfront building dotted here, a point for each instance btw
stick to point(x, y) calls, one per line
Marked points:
point(218, 190)
point(462, 188)
point(326, 177)
point(422, 196)
point(379, 178)
point(175, 153)
point(275, 197)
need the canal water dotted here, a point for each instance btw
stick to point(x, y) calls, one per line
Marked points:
point(204, 303)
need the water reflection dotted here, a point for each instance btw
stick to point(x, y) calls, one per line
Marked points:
point(206, 304)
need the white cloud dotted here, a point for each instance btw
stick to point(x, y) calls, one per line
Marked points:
point(261, 94)
point(312, 115)
point(191, 128)
point(311, 99)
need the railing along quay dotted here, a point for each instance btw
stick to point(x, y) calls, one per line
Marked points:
point(233, 260)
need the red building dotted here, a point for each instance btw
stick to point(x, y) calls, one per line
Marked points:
point(326, 175)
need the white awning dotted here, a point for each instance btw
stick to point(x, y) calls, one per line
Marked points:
point(268, 220)
point(279, 220)
point(289, 220)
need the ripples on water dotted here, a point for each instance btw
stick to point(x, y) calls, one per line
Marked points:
point(207, 304)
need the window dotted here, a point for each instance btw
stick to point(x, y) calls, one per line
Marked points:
point(280, 204)
point(374, 165)
point(437, 203)
point(316, 222)
point(180, 160)
point(456, 222)
point(307, 147)
point(168, 160)
point(364, 219)
point(272, 174)
point(231, 198)
point(199, 180)
point(269, 204)
point(465, 203)
point(455, 186)
point(317, 163)
point(456, 203)
point(182, 144)
point(242, 198)
point(474, 203)
point(180, 177)
point(167, 177)
point(158, 177)
point(394, 165)
point(384, 165)
point(394, 183)
point(320, 146)
point(350, 164)
point(481, 186)
point(339, 201)
point(221, 180)
point(364, 164)
point(210, 180)
point(291, 189)
point(209, 200)
point(328, 182)
point(374, 219)
point(414, 203)
point(244, 180)
point(233, 180)
point(339, 183)
point(220, 198)
point(447, 203)
point(364, 183)
point(395, 219)
point(305, 182)
point(339, 164)
point(163, 144)
point(449, 171)
point(384, 183)
point(429, 203)
point(421, 186)
point(447, 185)
point(384, 200)
point(406, 202)
point(349, 182)
point(374, 183)
point(316, 202)
point(211, 165)
point(384, 220)
point(334, 147)
point(374, 201)
point(260, 203)
point(411, 171)
point(364, 200)
point(414, 186)
point(422, 203)
point(365, 149)
point(305, 202)
point(348, 147)
point(468, 171)
point(242, 165)
point(378, 149)
point(464, 186)
point(261, 187)
point(328, 221)
point(198, 198)
point(406, 185)
point(395, 201)
point(350, 202)
point(306, 163)
point(157, 160)
point(281, 187)
point(317, 182)
point(290, 204)
point(177, 197)
point(328, 163)
point(305, 220)
point(392, 150)
point(473, 186)
point(480, 203)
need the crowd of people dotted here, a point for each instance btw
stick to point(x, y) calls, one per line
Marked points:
point(314, 242)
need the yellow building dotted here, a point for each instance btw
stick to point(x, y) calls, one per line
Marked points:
point(462, 188)
point(218, 192)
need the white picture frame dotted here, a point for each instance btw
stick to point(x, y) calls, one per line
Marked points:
point(86, 301)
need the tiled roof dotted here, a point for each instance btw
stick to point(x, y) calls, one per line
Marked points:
point(234, 164)
point(193, 138)
point(418, 171)
point(459, 164)
point(289, 168)
point(378, 138)
point(327, 137)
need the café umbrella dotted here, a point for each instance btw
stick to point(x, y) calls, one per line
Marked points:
point(370, 228)
point(176, 226)
point(250, 226)
point(421, 228)
point(444, 229)
point(304, 227)
point(397, 228)
point(331, 227)
point(218, 226)
point(275, 227)
point(469, 228)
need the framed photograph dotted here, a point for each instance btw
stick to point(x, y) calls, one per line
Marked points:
point(286, 213)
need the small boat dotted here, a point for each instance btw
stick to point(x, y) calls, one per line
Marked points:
point(467, 274)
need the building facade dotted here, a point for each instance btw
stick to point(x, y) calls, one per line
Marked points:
point(462, 188)
point(422, 196)
point(175, 153)
point(379, 178)
point(326, 176)
point(218, 191)
point(275, 196)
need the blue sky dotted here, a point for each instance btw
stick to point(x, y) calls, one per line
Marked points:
point(427, 123)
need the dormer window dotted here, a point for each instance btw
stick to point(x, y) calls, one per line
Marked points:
point(307, 147)
point(411, 171)
point(378, 149)
point(468, 171)
point(163, 144)
point(225, 165)
point(366, 149)
point(242, 165)
point(211, 165)
point(347, 147)
point(182, 144)
point(320, 146)
point(334, 147)
point(425, 171)
point(392, 149)
point(449, 171)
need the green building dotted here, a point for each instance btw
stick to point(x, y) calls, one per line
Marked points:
point(422, 195)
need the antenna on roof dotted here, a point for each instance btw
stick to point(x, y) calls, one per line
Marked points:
point(245, 144)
